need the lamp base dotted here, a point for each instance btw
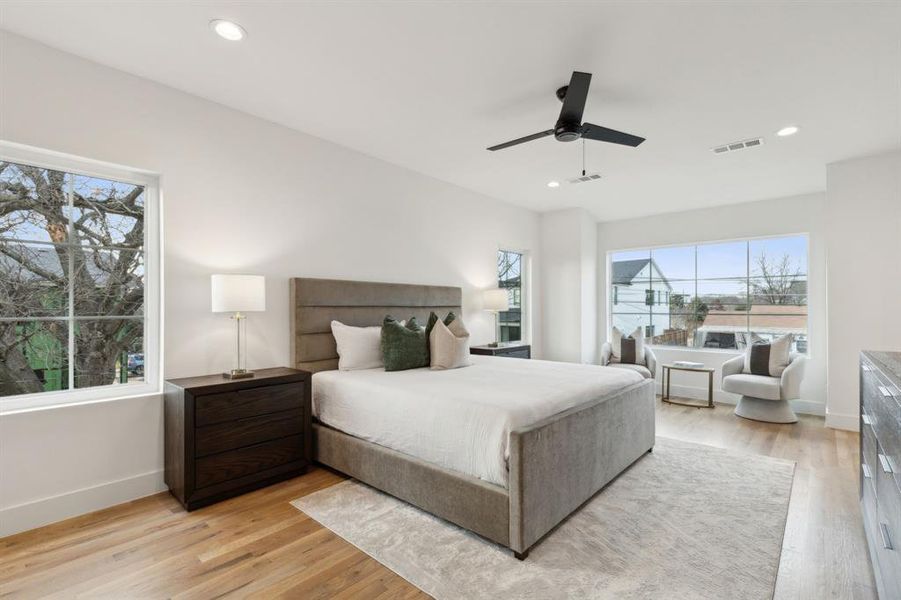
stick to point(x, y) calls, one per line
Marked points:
point(238, 374)
point(494, 344)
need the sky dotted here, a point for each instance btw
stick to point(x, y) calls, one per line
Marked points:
point(721, 260)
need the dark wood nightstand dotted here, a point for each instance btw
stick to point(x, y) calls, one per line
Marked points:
point(511, 349)
point(227, 437)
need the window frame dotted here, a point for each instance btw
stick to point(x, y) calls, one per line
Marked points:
point(525, 295)
point(748, 239)
point(153, 278)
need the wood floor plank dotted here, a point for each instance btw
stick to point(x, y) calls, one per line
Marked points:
point(258, 545)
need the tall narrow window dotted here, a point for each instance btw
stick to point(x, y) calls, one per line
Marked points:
point(510, 278)
point(716, 295)
point(72, 281)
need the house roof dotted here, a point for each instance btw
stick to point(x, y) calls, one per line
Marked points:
point(780, 318)
point(625, 271)
point(45, 258)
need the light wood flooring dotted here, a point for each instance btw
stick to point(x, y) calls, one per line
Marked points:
point(258, 545)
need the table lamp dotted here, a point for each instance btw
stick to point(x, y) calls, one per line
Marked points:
point(238, 294)
point(495, 300)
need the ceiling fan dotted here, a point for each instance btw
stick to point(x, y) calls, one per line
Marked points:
point(569, 127)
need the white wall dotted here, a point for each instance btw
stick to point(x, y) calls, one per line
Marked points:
point(569, 285)
point(240, 195)
point(781, 216)
point(863, 210)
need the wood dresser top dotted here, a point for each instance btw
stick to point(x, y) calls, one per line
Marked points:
point(889, 363)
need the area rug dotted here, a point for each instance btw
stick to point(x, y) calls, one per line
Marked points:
point(684, 522)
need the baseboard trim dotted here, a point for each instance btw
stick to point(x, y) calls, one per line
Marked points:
point(806, 407)
point(22, 517)
point(846, 422)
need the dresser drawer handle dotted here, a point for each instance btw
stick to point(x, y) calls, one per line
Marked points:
point(886, 393)
point(866, 419)
point(886, 465)
point(866, 471)
point(886, 539)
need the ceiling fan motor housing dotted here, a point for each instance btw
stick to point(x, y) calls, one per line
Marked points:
point(567, 132)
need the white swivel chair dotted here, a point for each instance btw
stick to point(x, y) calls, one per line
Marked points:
point(765, 398)
point(648, 370)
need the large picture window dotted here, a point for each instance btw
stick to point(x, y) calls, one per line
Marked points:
point(510, 277)
point(717, 295)
point(72, 280)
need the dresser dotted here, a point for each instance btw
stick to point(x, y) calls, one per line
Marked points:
point(227, 437)
point(510, 349)
point(880, 466)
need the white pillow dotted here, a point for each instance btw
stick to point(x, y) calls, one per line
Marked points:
point(616, 346)
point(769, 359)
point(449, 345)
point(358, 347)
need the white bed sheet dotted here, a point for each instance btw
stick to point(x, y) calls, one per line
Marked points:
point(459, 419)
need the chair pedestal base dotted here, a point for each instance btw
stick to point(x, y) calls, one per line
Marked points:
point(768, 411)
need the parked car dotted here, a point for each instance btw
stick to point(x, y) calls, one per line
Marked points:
point(136, 364)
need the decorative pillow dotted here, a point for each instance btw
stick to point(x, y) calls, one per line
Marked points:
point(358, 347)
point(628, 350)
point(449, 345)
point(403, 346)
point(433, 318)
point(769, 359)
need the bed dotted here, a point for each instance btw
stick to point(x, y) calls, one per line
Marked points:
point(534, 441)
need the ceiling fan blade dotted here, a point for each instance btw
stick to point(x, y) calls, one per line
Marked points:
point(576, 95)
point(602, 134)
point(522, 140)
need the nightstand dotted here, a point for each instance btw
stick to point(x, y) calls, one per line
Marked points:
point(227, 437)
point(510, 349)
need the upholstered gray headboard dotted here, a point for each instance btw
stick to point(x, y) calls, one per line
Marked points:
point(316, 302)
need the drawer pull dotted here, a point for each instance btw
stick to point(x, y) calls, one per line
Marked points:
point(886, 393)
point(866, 471)
point(866, 419)
point(886, 539)
point(886, 465)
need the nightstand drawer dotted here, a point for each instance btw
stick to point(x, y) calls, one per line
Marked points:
point(516, 354)
point(248, 431)
point(230, 406)
point(237, 463)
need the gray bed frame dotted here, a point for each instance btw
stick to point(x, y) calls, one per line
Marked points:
point(555, 465)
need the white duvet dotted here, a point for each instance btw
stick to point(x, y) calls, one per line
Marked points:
point(459, 419)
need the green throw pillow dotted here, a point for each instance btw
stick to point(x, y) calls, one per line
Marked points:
point(404, 346)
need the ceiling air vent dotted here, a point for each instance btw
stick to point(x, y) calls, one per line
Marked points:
point(733, 146)
point(584, 178)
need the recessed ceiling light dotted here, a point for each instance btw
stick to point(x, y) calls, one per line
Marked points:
point(787, 131)
point(553, 184)
point(228, 30)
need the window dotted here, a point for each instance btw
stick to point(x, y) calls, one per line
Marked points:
point(510, 271)
point(75, 314)
point(717, 295)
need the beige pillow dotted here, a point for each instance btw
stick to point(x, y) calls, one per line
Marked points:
point(449, 345)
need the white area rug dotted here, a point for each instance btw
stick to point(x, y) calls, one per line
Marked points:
point(685, 522)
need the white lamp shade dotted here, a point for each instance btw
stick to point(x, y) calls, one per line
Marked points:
point(495, 300)
point(238, 293)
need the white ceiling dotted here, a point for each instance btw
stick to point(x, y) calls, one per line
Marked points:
point(428, 85)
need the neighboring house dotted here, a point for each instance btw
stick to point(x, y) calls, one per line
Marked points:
point(729, 328)
point(641, 297)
